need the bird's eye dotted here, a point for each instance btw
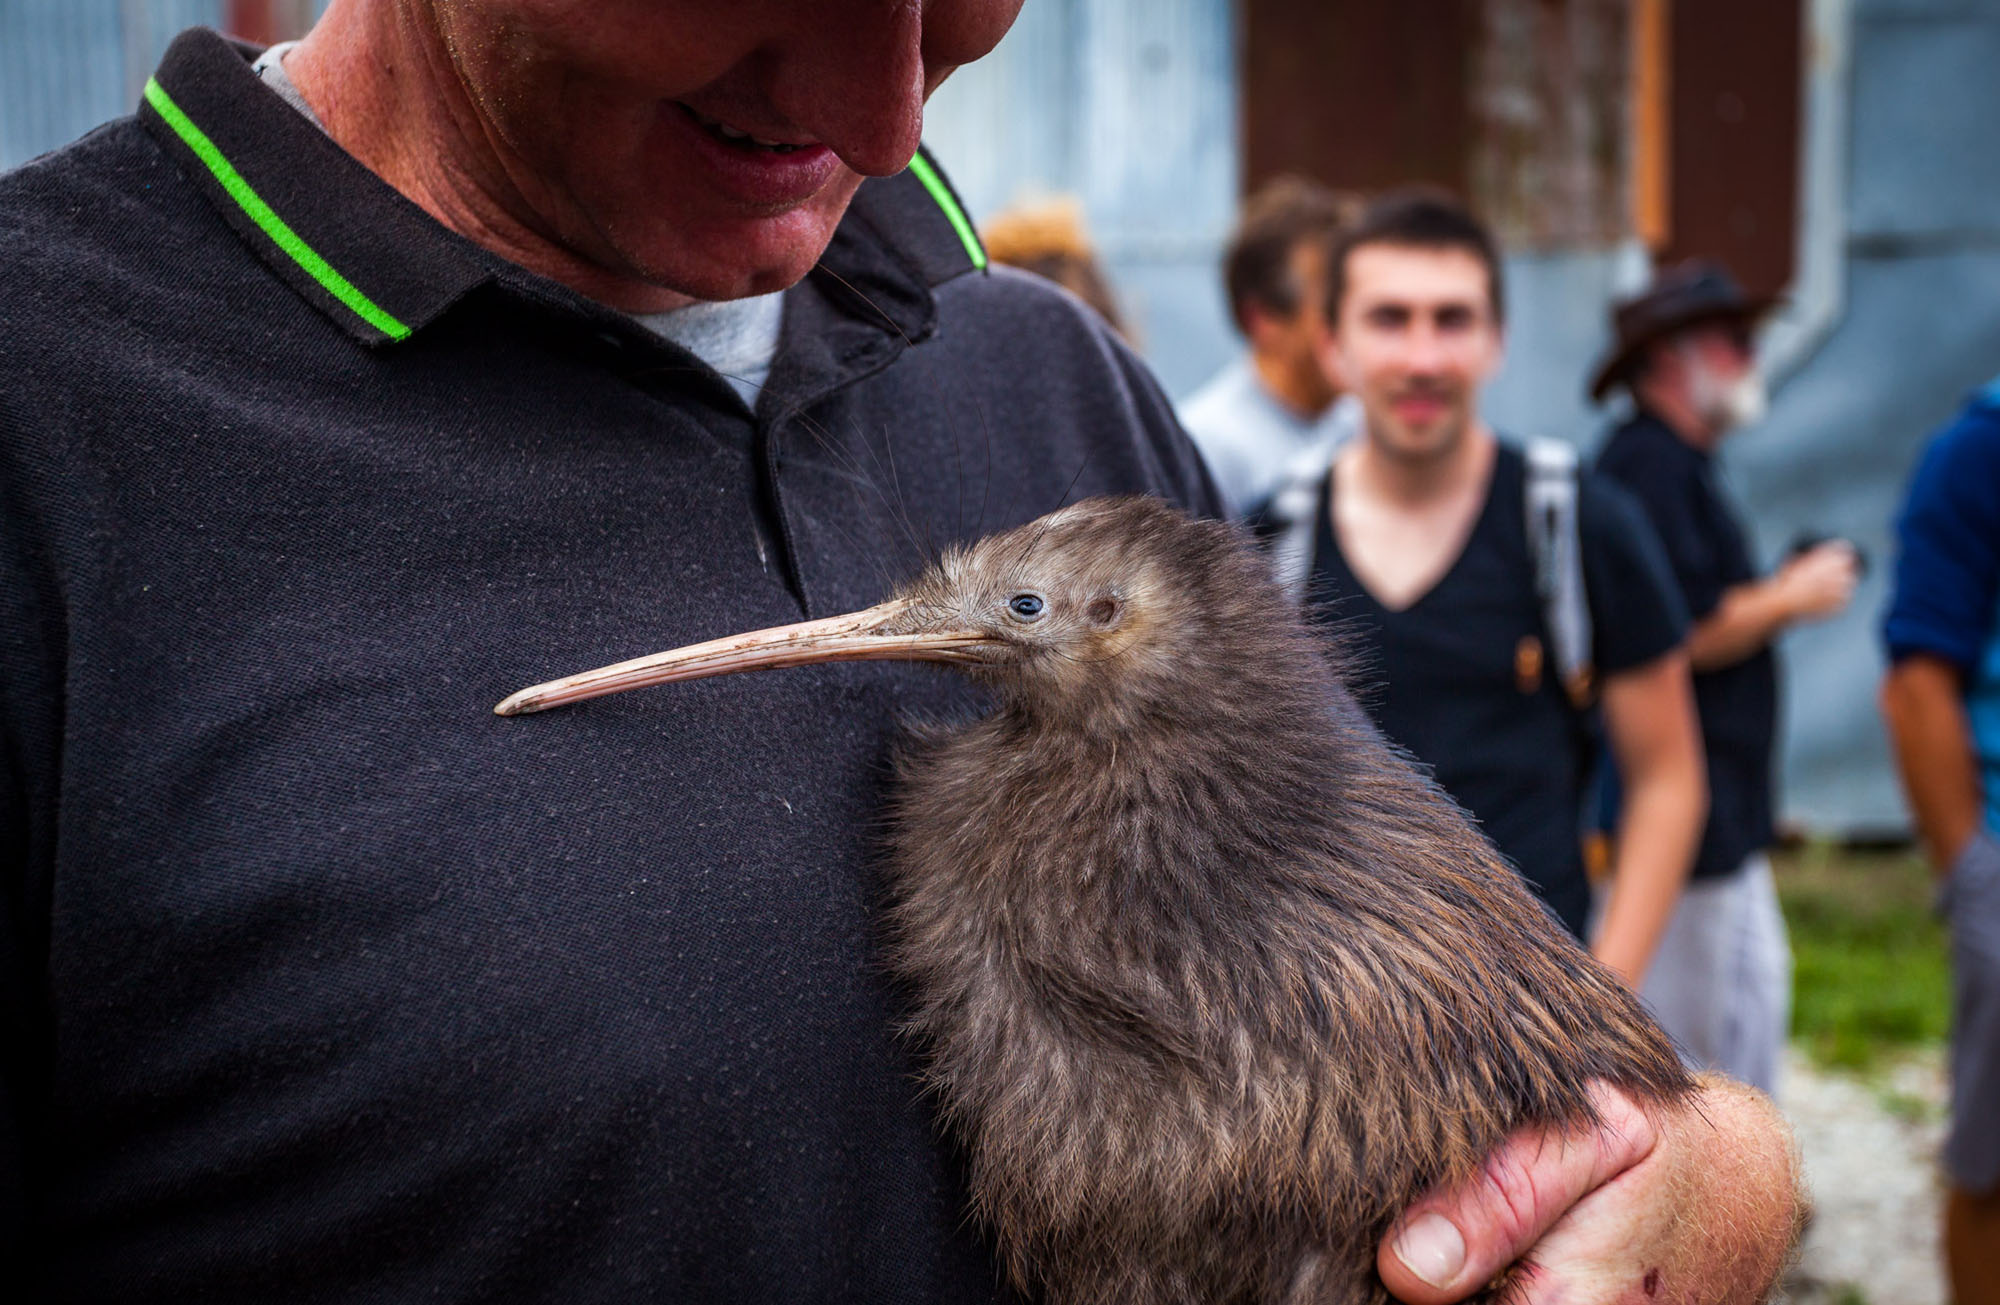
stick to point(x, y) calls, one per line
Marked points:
point(1026, 607)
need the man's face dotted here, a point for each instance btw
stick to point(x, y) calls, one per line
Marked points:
point(1716, 364)
point(1415, 339)
point(627, 129)
point(1307, 269)
point(1292, 340)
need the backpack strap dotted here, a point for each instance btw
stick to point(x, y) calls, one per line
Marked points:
point(1555, 548)
point(1288, 522)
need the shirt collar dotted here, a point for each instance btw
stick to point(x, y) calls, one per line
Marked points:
point(1657, 429)
point(382, 269)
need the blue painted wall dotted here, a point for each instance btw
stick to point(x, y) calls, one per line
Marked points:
point(1919, 271)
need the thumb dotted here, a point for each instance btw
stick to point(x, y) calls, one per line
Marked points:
point(1455, 1241)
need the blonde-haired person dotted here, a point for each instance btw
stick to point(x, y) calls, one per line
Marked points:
point(1050, 238)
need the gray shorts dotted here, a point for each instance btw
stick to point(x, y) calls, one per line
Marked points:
point(1721, 982)
point(1970, 900)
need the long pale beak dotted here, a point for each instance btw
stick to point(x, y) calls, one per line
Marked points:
point(870, 635)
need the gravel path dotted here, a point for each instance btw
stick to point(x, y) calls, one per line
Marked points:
point(1870, 1150)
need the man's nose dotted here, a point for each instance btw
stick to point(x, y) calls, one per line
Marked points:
point(1424, 348)
point(858, 84)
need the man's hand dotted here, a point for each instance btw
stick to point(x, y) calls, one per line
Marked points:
point(1696, 1203)
point(1817, 583)
point(1820, 581)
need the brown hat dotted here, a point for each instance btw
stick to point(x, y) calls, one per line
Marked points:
point(1682, 296)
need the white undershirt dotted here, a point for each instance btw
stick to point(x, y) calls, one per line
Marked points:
point(738, 338)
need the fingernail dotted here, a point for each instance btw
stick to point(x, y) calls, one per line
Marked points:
point(1432, 1248)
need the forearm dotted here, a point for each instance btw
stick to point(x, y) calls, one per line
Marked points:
point(1659, 830)
point(1749, 616)
point(1924, 708)
point(1650, 724)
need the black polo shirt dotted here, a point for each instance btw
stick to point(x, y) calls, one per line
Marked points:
point(1462, 679)
point(1676, 484)
point(320, 981)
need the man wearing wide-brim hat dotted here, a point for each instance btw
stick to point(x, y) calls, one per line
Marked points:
point(1684, 350)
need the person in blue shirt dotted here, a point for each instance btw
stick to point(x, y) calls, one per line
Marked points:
point(1941, 699)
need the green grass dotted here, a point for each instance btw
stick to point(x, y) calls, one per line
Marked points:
point(1908, 1107)
point(1871, 976)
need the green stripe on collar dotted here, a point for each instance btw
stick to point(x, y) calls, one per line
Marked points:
point(274, 226)
point(924, 172)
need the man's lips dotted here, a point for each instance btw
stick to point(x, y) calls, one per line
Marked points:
point(752, 169)
point(1419, 405)
point(736, 136)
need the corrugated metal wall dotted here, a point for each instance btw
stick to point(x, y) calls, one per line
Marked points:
point(1921, 327)
point(1917, 294)
point(68, 65)
point(1131, 106)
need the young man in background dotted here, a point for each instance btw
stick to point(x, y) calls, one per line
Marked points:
point(1257, 415)
point(1423, 561)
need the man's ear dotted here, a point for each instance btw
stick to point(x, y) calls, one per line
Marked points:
point(1260, 325)
point(1326, 348)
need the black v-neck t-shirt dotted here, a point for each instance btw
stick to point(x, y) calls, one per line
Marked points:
point(1448, 676)
point(1677, 487)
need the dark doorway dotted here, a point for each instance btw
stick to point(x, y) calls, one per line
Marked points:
point(1358, 94)
point(1566, 123)
point(1733, 182)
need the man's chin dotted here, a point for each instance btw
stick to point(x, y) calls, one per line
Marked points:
point(731, 282)
point(736, 259)
point(1422, 443)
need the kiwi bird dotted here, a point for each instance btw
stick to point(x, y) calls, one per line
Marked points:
point(1209, 981)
